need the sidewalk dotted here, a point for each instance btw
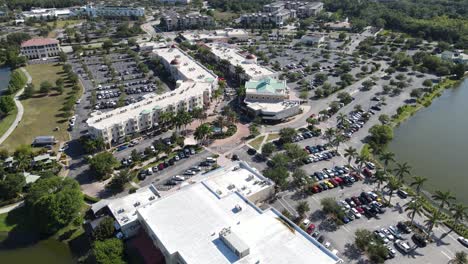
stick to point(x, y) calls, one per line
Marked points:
point(20, 108)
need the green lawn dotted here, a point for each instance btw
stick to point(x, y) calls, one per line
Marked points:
point(6, 122)
point(224, 16)
point(257, 142)
point(272, 137)
point(42, 114)
point(61, 23)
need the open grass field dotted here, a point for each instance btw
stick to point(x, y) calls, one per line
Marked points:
point(63, 23)
point(272, 136)
point(42, 114)
point(224, 16)
point(6, 121)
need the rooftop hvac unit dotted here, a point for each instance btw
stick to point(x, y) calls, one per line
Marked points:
point(233, 242)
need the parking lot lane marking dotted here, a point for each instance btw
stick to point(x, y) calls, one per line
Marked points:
point(449, 251)
point(445, 254)
point(346, 229)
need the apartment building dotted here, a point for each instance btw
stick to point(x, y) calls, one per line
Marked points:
point(278, 13)
point(216, 220)
point(175, 21)
point(195, 84)
point(248, 62)
point(114, 11)
point(38, 48)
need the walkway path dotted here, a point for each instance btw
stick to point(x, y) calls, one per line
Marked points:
point(11, 207)
point(20, 108)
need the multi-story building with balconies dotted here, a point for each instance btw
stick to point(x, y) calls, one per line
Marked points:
point(175, 21)
point(114, 11)
point(278, 13)
point(38, 48)
point(194, 87)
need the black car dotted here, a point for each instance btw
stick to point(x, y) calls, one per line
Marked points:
point(403, 227)
point(419, 240)
point(171, 162)
point(320, 239)
point(377, 208)
point(251, 151)
point(235, 157)
point(204, 164)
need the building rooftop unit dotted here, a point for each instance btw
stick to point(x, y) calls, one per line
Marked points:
point(186, 65)
point(201, 223)
point(151, 102)
point(124, 209)
point(231, 54)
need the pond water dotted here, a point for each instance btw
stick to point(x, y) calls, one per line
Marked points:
point(4, 78)
point(48, 251)
point(435, 143)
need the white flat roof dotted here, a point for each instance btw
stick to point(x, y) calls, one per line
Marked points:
point(253, 70)
point(188, 221)
point(213, 35)
point(188, 67)
point(124, 208)
point(274, 107)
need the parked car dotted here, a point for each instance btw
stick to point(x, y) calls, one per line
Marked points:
point(310, 229)
point(402, 194)
point(403, 227)
point(405, 247)
point(381, 236)
point(391, 252)
point(419, 240)
point(395, 232)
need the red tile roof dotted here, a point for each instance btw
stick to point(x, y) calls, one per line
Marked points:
point(39, 42)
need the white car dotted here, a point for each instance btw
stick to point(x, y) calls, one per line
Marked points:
point(403, 246)
point(463, 240)
point(387, 233)
point(189, 172)
point(327, 244)
point(381, 236)
point(345, 204)
point(356, 213)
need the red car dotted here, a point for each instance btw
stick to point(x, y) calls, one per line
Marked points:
point(359, 209)
point(356, 200)
point(161, 166)
point(367, 172)
point(316, 189)
point(310, 229)
point(339, 180)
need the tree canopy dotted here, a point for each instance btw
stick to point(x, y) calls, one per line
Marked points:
point(54, 202)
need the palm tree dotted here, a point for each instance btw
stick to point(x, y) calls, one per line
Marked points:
point(401, 170)
point(202, 132)
point(360, 161)
point(418, 181)
point(221, 122)
point(444, 198)
point(433, 221)
point(414, 207)
point(239, 72)
point(460, 258)
point(380, 177)
point(350, 153)
point(197, 113)
point(387, 157)
point(393, 185)
point(341, 118)
point(458, 213)
point(329, 134)
point(339, 138)
point(166, 117)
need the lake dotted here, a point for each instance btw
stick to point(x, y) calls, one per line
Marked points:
point(434, 142)
point(4, 78)
point(48, 251)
